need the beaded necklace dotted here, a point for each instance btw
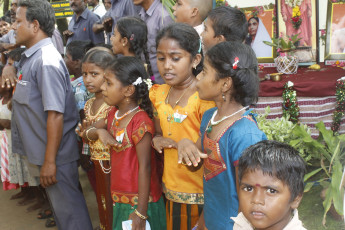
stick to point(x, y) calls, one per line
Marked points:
point(213, 123)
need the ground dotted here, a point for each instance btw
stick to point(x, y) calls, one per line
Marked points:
point(13, 217)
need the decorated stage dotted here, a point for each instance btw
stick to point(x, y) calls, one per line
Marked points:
point(315, 94)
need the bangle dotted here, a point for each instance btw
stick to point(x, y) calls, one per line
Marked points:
point(87, 133)
point(140, 215)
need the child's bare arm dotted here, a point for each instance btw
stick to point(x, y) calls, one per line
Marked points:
point(5, 124)
point(190, 152)
point(159, 142)
point(143, 149)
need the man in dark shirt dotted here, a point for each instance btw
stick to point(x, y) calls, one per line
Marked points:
point(80, 26)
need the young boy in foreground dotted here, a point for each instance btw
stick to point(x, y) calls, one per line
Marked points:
point(270, 187)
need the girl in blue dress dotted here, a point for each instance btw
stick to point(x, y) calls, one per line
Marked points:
point(230, 70)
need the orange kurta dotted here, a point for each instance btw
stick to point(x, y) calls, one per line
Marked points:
point(179, 183)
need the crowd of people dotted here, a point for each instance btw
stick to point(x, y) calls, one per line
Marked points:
point(156, 113)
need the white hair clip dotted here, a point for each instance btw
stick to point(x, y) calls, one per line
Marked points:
point(138, 81)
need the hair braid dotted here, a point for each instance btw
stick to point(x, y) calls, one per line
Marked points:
point(147, 60)
point(142, 96)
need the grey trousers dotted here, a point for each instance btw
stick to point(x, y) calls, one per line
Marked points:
point(67, 200)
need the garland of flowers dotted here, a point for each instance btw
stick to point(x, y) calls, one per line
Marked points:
point(296, 17)
point(340, 108)
point(221, 3)
point(293, 3)
point(290, 105)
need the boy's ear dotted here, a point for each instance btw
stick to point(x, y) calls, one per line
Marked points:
point(220, 38)
point(295, 203)
point(196, 60)
point(195, 12)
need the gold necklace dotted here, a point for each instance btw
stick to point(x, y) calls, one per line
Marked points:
point(170, 116)
point(178, 100)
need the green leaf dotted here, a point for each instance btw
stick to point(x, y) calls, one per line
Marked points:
point(327, 135)
point(270, 43)
point(312, 173)
point(284, 44)
point(335, 154)
point(308, 186)
point(169, 5)
point(337, 195)
point(327, 204)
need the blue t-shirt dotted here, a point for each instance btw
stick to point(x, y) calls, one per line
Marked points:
point(221, 201)
point(81, 95)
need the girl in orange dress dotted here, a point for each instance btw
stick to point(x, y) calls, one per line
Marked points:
point(178, 113)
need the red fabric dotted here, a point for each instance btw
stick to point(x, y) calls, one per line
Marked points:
point(307, 83)
point(124, 160)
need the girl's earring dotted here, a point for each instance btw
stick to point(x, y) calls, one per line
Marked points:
point(123, 44)
point(223, 96)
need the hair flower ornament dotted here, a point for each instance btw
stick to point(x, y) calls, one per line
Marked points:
point(138, 81)
point(148, 82)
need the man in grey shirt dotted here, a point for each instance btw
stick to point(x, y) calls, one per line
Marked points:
point(122, 8)
point(45, 115)
point(156, 18)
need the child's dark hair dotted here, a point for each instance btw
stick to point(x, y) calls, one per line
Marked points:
point(229, 22)
point(108, 46)
point(276, 159)
point(135, 30)
point(77, 49)
point(6, 19)
point(245, 77)
point(127, 70)
point(188, 39)
point(100, 56)
point(16, 54)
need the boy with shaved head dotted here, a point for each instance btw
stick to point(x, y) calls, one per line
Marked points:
point(192, 12)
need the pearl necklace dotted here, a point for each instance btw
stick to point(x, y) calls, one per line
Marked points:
point(120, 118)
point(213, 123)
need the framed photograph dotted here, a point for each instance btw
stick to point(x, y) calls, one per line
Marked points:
point(335, 32)
point(262, 26)
point(301, 17)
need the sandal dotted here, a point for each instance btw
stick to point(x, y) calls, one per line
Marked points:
point(50, 222)
point(45, 214)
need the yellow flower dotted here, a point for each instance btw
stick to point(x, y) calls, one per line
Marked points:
point(296, 12)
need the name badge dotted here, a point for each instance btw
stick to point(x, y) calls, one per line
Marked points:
point(119, 135)
point(179, 117)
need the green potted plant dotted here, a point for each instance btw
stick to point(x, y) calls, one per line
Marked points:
point(330, 150)
point(286, 62)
